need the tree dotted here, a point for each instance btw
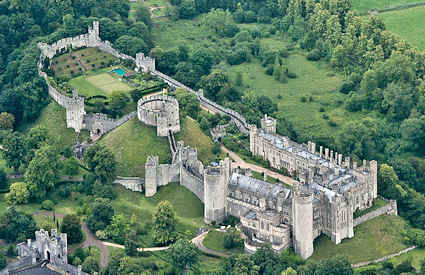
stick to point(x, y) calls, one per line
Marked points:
point(187, 9)
point(100, 216)
point(70, 166)
point(131, 45)
point(388, 183)
point(213, 83)
point(164, 223)
point(184, 255)
point(413, 132)
point(42, 173)
point(101, 162)
point(130, 243)
point(289, 271)
point(143, 14)
point(90, 265)
point(232, 239)
point(18, 193)
point(204, 58)
point(239, 264)
point(118, 102)
point(7, 121)
point(14, 150)
point(72, 227)
point(16, 226)
point(221, 22)
point(3, 261)
point(4, 183)
point(118, 229)
point(335, 266)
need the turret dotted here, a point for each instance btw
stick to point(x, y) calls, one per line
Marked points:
point(252, 136)
point(374, 177)
point(151, 182)
point(268, 124)
point(302, 216)
point(216, 179)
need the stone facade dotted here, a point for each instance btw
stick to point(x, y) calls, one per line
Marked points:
point(161, 111)
point(49, 248)
point(321, 202)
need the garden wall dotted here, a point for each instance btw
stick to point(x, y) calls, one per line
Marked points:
point(389, 209)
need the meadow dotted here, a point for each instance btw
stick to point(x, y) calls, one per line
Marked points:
point(409, 24)
point(373, 239)
point(364, 5)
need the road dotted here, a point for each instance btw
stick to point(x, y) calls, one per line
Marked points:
point(239, 162)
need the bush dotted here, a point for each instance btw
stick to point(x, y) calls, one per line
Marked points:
point(269, 70)
point(292, 75)
point(347, 87)
point(321, 109)
point(47, 205)
point(332, 123)
point(325, 116)
point(314, 55)
point(216, 149)
point(101, 235)
point(303, 99)
point(233, 239)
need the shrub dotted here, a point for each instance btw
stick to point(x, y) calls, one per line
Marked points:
point(347, 87)
point(314, 55)
point(269, 70)
point(47, 205)
point(332, 123)
point(73, 57)
point(303, 99)
point(101, 235)
point(233, 239)
point(279, 96)
point(292, 75)
point(67, 65)
point(93, 65)
point(325, 116)
point(321, 109)
point(88, 61)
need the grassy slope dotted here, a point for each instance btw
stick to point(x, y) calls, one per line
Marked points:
point(188, 208)
point(215, 240)
point(373, 239)
point(314, 79)
point(132, 143)
point(193, 136)
point(408, 24)
point(364, 5)
point(53, 117)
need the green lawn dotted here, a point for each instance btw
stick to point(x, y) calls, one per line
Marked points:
point(132, 143)
point(215, 240)
point(377, 203)
point(53, 117)
point(189, 209)
point(314, 80)
point(193, 136)
point(364, 5)
point(409, 24)
point(373, 239)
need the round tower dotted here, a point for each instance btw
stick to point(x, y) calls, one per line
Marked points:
point(268, 124)
point(302, 217)
point(216, 179)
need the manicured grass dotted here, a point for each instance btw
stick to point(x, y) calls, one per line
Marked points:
point(215, 240)
point(53, 118)
point(108, 83)
point(193, 136)
point(409, 24)
point(377, 203)
point(188, 208)
point(132, 143)
point(373, 239)
point(364, 5)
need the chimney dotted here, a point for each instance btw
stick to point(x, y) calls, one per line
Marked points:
point(326, 153)
point(364, 164)
point(313, 148)
point(79, 270)
point(332, 156)
point(321, 151)
point(339, 159)
point(354, 165)
point(29, 242)
point(265, 176)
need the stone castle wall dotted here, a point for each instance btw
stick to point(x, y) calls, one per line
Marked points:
point(193, 183)
point(389, 209)
point(134, 184)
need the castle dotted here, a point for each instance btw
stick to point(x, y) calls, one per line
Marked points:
point(48, 254)
point(322, 200)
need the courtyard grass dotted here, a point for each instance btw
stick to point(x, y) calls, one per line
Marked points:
point(193, 136)
point(363, 6)
point(108, 83)
point(132, 143)
point(188, 208)
point(409, 24)
point(373, 239)
point(215, 240)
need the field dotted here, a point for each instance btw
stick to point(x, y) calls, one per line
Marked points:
point(373, 239)
point(215, 240)
point(53, 117)
point(132, 143)
point(315, 80)
point(99, 82)
point(364, 5)
point(193, 136)
point(408, 24)
point(188, 208)
point(79, 61)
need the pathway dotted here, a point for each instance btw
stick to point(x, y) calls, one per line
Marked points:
point(197, 241)
point(90, 240)
point(239, 162)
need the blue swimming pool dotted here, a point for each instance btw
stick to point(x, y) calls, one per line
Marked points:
point(119, 72)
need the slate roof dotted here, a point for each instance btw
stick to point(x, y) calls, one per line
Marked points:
point(262, 188)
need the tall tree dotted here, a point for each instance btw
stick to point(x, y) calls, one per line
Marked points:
point(184, 255)
point(101, 162)
point(164, 223)
point(72, 227)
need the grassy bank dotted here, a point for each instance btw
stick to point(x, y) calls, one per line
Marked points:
point(215, 240)
point(373, 239)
